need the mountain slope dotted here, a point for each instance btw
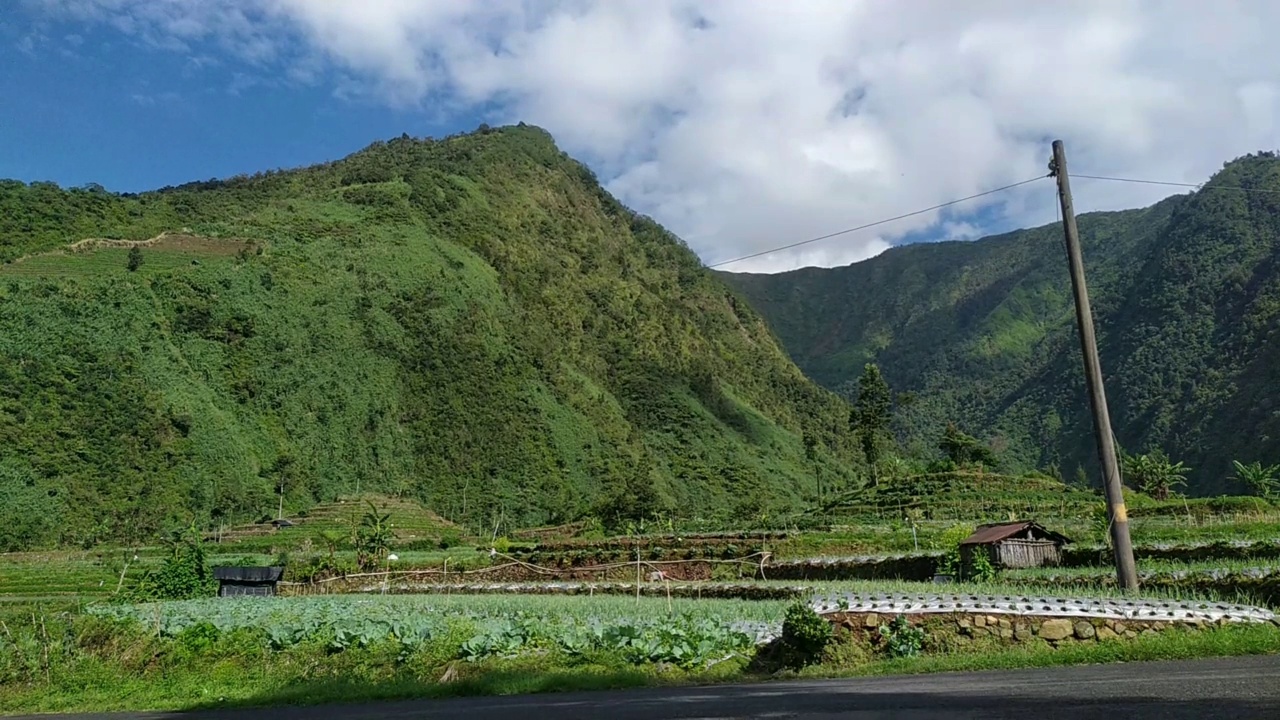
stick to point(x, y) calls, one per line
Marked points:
point(1185, 297)
point(471, 321)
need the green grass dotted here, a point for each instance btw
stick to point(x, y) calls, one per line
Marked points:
point(229, 684)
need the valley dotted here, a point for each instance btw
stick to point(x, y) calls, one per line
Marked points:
point(982, 333)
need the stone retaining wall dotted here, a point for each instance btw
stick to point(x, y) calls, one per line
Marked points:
point(1112, 608)
point(1017, 628)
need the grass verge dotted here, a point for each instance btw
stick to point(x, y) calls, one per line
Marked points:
point(137, 671)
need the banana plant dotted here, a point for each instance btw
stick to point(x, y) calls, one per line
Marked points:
point(1263, 480)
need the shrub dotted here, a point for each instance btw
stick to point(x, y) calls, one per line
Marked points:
point(982, 570)
point(949, 542)
point(184, 574)
point(449, 539)
point(805, 635)
point(319, 567)
point(197, 639)
point(901, 638)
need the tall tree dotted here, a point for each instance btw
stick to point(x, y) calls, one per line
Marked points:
point(871, 413)
point(964, 449)
point(811, 455)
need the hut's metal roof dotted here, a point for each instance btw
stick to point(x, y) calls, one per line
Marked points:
point(987, 534)
point(258, 574)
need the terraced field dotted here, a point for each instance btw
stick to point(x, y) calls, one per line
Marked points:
point(95, 258)
point(704, 605)
point(959, 496)
point(40, 576)
point(413, 526)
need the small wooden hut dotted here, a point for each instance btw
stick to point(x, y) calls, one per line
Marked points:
point(1014, 545)
point(253, 580)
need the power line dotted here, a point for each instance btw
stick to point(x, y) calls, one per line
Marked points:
point(1133, 180)
point(1197, 186)
point(878, 222)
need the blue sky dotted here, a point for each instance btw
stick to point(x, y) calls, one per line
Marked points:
point(730, 123)
point(86, 105)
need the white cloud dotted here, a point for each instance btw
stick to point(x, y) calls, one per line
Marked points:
point(749, 124)
point(951, 230)
point(829, 255)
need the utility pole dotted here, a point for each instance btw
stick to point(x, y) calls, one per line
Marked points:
point(1126, 572)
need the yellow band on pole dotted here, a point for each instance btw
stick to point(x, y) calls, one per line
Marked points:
point(1120, 513)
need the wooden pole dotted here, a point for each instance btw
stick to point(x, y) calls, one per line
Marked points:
point(1126, 572)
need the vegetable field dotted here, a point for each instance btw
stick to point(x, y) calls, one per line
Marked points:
point(686, 633)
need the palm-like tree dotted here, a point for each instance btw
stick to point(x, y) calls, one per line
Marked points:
point(332, 539)
point(373, 537)
point(1263, 480)
point(1154, 474)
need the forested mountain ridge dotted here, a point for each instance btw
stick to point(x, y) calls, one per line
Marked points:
point(473, 322)
point(1186, 299)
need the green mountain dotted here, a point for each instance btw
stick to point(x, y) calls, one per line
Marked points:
point(1186, 300)
point(473, 322)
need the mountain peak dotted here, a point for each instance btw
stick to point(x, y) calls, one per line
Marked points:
point(470, 321)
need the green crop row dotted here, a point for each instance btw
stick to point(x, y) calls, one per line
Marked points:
point(484, 626)
point(630, 543)
point(578, 558)
point(754, 591)
point(920, 566)
point(1261, 588)
point(1086, 556)
point(1201, 508)
point(905, 567)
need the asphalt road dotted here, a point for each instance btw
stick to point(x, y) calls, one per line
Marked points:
point(1235, 688)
